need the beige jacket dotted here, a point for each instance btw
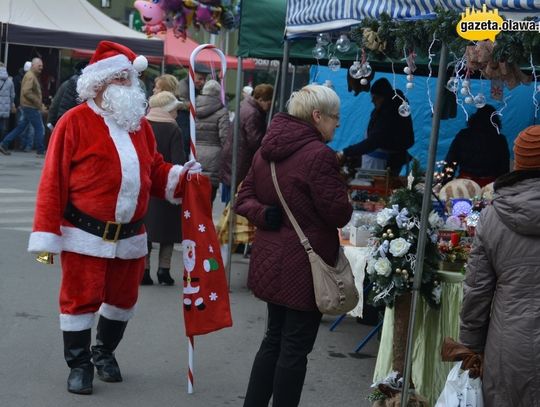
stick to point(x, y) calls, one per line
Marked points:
point(31, 91)
point(500, 316)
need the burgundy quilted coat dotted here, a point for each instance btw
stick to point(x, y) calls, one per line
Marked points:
point(308, 175)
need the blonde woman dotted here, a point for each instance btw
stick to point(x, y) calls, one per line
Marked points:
point(163, 220)
point(279, 270)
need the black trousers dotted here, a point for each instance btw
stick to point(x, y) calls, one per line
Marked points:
point(280, 365)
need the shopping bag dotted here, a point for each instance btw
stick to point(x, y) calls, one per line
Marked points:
point(244, 231)
point(460, 390)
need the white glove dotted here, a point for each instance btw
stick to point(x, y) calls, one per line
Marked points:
point(192, 166)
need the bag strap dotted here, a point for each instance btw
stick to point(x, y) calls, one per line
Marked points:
point(303, 239)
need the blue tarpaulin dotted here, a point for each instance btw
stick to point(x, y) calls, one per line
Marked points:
point(355, 111)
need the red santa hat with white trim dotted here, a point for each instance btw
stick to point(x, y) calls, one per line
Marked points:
point(108, 59)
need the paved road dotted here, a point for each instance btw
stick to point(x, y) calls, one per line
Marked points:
point(153, 354)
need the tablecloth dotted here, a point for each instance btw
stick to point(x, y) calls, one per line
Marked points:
point(431, 327)
point(357, 256)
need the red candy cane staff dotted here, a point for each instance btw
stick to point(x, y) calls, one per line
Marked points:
point(192, 107)
point(193, 152)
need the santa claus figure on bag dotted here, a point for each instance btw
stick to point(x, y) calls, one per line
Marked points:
point(100, 170)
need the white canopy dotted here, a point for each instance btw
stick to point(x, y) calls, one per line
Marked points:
point(68, 24)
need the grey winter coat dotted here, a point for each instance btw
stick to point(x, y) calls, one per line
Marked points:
point(212, 127)
point(7, 93)
point(500, 316)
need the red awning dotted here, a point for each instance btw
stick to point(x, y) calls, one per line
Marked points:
point(177, 52)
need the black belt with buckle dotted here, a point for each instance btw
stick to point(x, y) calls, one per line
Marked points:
point(108, 231)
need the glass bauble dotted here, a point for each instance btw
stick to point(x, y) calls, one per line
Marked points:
point(363, 81)
point(469, 100)
point(366, 69)
point(452, 85)
point(355, 70)
point(343, 44)
point(464, 91)
point(318, 52)
point(410, 85)
point(404, 110)
point(323, 38)
point(334, 64)
point(407, 70)
point(479, 101)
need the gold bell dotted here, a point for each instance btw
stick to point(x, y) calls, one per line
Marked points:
point(45, 257)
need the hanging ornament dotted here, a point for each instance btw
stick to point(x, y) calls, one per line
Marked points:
point(480, 100)
point(366, 69)
point(363, 81)
point(334, 64)
point(410, 77)
point(318, 52)
point(355, 70)
point(407, 70)
point(466, 83)
point(343, 44)
point(464, 91)
point(323, 38)
point(469, 100)
point(410, 85)
point(404, 110)
point(452, 84)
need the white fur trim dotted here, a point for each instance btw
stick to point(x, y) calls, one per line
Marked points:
point(140, 63)
point(44, 242)
point(69, 322)
point(175, 173)
point(126, 202)
point(104, 68)
point(78, 241)
point(116, 314)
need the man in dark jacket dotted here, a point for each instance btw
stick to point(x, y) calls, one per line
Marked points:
point(66, 97)
point(388, 135)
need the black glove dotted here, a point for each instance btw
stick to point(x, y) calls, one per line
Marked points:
point(272, 217)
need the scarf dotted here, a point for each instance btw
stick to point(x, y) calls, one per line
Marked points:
point(158, 114)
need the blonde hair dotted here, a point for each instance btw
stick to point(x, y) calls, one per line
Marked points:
point(168, 83)
point(165, 100)
point(211, 88)
point(312, 97)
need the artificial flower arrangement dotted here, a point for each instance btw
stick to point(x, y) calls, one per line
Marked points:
point(454, 252)
point(392, 262)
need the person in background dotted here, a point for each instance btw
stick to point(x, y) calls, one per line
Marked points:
point(28, 135)
point(7, 98)
point(212, 127)
point(247, 91)
point(499, 314)
point(253, 112)
point(479, 152)
point(66, 97)
point(101, 167)
point(388, 134)
point(201, 75)
point(163, 220)
point(32, 107)
point(279, 269)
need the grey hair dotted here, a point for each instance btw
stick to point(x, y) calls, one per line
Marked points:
point(211, 88)
point(312, 97)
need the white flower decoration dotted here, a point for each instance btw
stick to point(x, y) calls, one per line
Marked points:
point(383, 267)
point(370, 266)
point(399, 247)
point(384, 216)
point(435, 221)
point(436, 293)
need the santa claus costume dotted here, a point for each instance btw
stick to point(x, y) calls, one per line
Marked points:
point(99, 172)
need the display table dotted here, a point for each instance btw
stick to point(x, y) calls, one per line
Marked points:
point(430, 328)
point(357, 256)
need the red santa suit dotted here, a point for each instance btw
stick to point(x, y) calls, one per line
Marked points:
point(107, 174)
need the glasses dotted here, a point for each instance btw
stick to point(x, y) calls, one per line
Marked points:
point(120, 76)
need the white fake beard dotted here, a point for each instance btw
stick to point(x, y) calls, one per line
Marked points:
point(126, 105)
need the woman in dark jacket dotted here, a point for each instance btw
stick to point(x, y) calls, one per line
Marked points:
point(479, 152)
point(279, 271)
point(501, 309)
point(163, 220)
point(253, 110)
point(388, 135)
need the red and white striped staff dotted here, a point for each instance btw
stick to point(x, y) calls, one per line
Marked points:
point(193, 152)
point(192, 108)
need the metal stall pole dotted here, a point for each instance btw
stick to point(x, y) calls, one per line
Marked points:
point(236, 132)
point(276, 82)
point(293, 78)
point(422, 237)
point(284, 71)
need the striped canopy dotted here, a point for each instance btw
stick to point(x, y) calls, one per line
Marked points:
point(305, 17)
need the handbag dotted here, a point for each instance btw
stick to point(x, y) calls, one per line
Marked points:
point(334, 287)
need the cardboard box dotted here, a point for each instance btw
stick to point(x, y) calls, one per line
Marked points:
point(359, 236)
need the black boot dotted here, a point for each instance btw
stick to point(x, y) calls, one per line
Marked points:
point(287, 387)
point(109, 334)
point(164, 277)
point(78, 358)
point(147, 280)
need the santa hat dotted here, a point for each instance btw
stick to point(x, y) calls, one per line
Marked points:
point(110, 58)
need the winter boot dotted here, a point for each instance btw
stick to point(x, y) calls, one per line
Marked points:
point(109, 334)
point(78, 358)
point(164, 277)
point(147, 280)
